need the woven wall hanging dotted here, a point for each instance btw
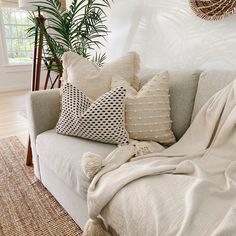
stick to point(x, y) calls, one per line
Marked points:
point(213, 9)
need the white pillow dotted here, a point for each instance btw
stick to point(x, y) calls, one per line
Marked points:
point(94, 81)
point(101, 121)
point(148, 111)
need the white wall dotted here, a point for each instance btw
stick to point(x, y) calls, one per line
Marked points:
point(168, 35)
point(14, 79)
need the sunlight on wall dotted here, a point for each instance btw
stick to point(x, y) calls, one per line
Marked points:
point(168, 35)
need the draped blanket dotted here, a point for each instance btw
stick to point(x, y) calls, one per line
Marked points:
point(187, 189)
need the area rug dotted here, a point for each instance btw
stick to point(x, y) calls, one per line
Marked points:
point(26, 207)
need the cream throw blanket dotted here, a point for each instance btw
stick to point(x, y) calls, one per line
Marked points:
point(186, 190)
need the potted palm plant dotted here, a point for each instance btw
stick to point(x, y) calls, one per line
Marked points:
point(80, 28)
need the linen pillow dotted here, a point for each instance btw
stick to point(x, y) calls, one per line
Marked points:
point(148, 111)
point(101, 121)
point(94, 81)
point(183, 88)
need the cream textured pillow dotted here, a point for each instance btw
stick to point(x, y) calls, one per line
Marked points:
point(101, 121)
point(148, 111)
point(94, 81)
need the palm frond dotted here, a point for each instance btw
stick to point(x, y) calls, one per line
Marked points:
point(81, 28)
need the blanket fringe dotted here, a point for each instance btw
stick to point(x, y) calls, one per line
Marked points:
point(143, 148)
point(95, 228)
point(91, 164)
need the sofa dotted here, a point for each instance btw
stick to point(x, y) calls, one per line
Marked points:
point(56, 157)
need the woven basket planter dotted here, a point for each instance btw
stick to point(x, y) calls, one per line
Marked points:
point(213, 9)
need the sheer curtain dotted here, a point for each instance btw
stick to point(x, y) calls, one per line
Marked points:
point(168, 35)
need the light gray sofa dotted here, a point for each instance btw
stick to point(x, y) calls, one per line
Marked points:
point(56, 157)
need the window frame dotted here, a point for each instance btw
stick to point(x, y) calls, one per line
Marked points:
point(10, 67)
point(4, 45)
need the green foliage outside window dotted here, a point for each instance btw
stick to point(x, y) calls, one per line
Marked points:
point(19, 46)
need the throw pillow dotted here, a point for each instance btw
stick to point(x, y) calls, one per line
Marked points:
point(101, 121)
point(94, 81)
point(148, 111)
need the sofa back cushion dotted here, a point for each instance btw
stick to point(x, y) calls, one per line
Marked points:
point(183, 87)
point(211, 82)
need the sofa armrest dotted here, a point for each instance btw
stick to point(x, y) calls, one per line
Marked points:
point(43, 109)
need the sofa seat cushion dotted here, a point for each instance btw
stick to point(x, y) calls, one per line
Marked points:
point(62, 154)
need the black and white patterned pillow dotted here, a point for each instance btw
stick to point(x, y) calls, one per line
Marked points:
point(101, 121)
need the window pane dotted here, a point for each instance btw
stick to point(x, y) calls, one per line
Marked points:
point(9, 45)
point(19, 47)
point(13, 31)
point(25, 20)
point(7, 31)
point(6, 16)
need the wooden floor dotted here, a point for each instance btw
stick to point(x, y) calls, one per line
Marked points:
point(13, 120)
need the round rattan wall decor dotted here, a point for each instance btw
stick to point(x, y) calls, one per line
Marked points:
point(213, 9)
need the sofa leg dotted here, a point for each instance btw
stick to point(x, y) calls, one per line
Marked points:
point(29, 154)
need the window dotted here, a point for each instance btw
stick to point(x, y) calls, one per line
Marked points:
point(19, 48)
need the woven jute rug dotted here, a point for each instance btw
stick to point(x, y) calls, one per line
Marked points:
point(26, 207)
